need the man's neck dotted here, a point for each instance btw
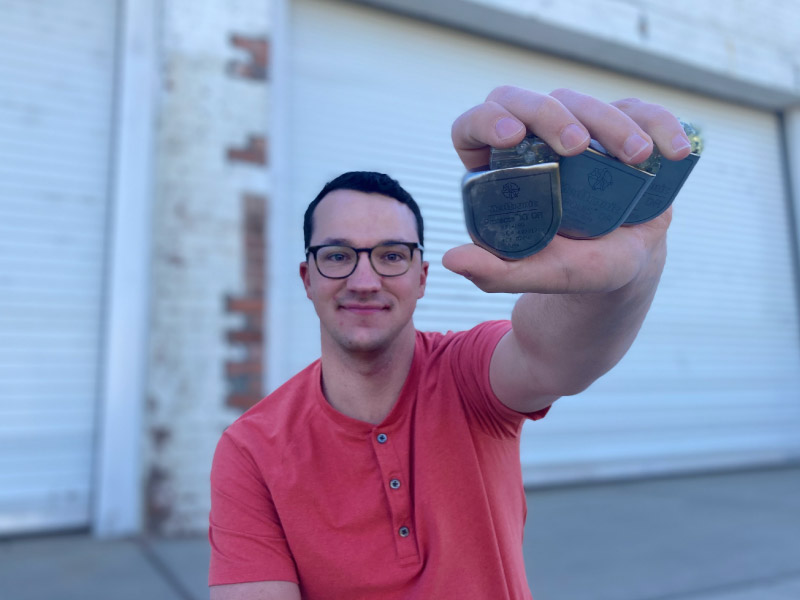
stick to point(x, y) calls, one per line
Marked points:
point(366, 386)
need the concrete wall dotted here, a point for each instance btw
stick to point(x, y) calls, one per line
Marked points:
point(212, 186)
point(747, 51)
point(751, 41)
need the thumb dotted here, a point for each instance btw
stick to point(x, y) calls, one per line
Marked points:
point(476, 264)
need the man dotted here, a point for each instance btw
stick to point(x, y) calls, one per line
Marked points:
point(390, 468)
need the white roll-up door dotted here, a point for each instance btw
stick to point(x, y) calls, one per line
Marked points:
point(56, 79)
point(713, 378)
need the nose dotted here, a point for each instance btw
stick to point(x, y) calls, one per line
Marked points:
point(364, 278)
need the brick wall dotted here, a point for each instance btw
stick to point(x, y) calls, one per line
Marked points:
point(246, 375)
point(212, 191)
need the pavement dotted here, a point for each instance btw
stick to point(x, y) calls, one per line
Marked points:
point(727, 536)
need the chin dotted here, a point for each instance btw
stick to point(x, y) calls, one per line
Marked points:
point(364, 345)
point(364, 341)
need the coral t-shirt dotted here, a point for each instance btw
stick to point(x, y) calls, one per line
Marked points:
point(428, 504)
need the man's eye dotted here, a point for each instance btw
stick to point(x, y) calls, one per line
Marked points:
point(336, 257)
point(393, 254)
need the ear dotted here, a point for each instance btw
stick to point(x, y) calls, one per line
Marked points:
point(423, 279)
point(306, 277)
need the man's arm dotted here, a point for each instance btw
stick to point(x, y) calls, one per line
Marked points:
point(247, 541)
point(257, 590)
point(583, 300)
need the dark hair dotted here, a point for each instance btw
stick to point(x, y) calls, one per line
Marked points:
point(368, 182)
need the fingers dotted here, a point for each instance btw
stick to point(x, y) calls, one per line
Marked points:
point(566, 120)
point(546, 117)
point(663, 127)
point(488, 124)
point(501, 121)
point(619, 133)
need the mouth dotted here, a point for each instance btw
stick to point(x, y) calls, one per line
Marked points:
point(363, 309)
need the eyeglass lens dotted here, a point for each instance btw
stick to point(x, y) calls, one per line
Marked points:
point(340, 261)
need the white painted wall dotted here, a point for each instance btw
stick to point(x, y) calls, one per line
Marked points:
point(735, 49)
point(792, 140)
point(751, 41)
point(56, 129)
point(117, 491)
point(738, 50)
point(712, 378)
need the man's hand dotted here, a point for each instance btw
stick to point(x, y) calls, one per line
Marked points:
point(589, 297)
point(566, 120)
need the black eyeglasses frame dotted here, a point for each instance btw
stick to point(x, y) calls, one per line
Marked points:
point(411, 246)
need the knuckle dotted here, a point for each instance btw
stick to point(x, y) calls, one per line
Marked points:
point(545, 110)
point(501, 92)
point(460, 124)
point(561, 92)
point(657, 112)
point(548, 105)
point(659, 118)
point(626, 103)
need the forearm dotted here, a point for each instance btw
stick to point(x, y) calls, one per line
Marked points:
point(572, 339)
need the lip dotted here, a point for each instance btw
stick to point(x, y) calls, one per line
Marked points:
point(363, 309)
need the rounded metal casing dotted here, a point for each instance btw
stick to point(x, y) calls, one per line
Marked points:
point(598, 193)
point(513, 212)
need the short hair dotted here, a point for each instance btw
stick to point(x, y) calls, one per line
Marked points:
point(368, 182)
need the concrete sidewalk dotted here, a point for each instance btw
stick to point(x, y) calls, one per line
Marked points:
point(732, 536)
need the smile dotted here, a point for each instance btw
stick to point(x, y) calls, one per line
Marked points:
point(364, 309)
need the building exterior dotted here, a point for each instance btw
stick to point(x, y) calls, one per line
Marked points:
point(157, 157)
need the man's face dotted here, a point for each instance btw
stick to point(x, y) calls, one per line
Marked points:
point(365, 312)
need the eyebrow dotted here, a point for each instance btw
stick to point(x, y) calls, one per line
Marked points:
point(346, 242)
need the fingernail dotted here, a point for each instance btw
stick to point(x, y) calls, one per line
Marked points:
point(508, 127)
point(679, 142)
point(573, 136)
point(634, 145)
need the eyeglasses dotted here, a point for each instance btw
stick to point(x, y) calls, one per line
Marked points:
point(387, 260)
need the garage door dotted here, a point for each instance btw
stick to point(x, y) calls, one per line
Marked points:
point(56, 76)
point(713, 377)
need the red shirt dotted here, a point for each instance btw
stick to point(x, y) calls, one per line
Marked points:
point(428, 504)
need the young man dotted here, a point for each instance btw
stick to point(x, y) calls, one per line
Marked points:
point(390, 467)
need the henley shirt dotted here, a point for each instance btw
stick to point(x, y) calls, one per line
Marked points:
point(428, 504)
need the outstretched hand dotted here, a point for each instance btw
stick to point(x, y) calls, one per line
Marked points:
point(567, 120)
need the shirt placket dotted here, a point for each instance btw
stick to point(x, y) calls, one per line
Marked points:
point(398, 494)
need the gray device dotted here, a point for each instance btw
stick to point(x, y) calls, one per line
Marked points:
point(598, 191)
point(668, 182)
point(513, 208)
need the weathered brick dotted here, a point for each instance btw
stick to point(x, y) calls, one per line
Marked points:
point(248, 336)
point(257, 49)
point(202, 248)
point(233, 369)
point(249, 306)
point(242, 401)
point(253, 152)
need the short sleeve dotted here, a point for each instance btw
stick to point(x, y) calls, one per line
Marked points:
point(470, 360)
point(247, 540)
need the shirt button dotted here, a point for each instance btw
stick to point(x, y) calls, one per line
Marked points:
point(403, 531)
point(382, 437)
point(394, 483)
